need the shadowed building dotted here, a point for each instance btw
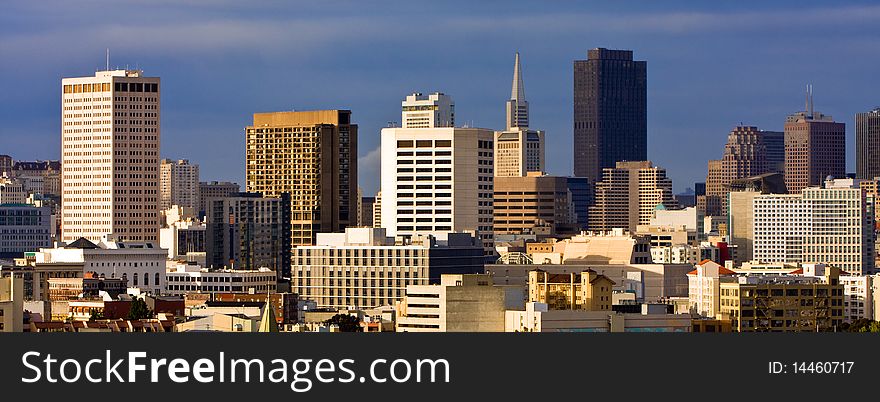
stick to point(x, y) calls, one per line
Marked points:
point(868, 144)
point(610, 111)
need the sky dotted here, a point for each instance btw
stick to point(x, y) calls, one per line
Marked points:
point(711, 66)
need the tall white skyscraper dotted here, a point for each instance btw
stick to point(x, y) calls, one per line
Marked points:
point(518, 150)
point(178, 184)
point(436, 181)
point(110, 156)
point(424, 111)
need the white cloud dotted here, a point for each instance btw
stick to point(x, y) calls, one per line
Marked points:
point(369, 167)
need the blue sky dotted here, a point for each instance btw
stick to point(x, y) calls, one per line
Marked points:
point(711, 65)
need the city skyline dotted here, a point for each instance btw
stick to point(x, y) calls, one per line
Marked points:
point(697, 91)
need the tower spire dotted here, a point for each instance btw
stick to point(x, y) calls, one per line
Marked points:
point(518, 91)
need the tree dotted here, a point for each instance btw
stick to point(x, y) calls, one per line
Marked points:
point(139, 310)
point(96, 315)
point(861, 325)
point(346, 323)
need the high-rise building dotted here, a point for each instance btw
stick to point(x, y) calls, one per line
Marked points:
point(178, 184)
point(518, 150)
point(741, 212)
point(745, 155)
point(426, 111)
point(536, 204)
point(313, 156)
point(110, 156)
point(833, 225)
point(366, 215)
point(774, 142)
point(214, 189)
point(436, 181)
point(610, 111)
point(815, 148)
point(868, 144)
point(249, 231)
point(628, 195)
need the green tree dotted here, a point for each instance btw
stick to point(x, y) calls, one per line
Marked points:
point(96, 315)
point(861, 325)
point(346, 323)
point(139, 310)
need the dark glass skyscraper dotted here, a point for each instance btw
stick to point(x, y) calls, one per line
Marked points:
point(610, 111)
point(868, 144)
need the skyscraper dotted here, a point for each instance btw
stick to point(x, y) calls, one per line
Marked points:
point(868, 144)
point(629, 194)
point(110, 156)
point(610, 111)
point(518, 150)
point(815, 148)
point(745, 155)
point(311, 155)
point(178, 184)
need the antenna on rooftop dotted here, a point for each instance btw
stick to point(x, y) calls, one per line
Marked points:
point(108, 59)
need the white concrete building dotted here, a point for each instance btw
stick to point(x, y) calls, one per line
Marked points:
point(178, 184)
point(704, 284)
point(436, 181)
point(182, 278)
point(427, 111)
point(110, 156)
point(183, 238)
point(460, 303)
point(832, 225)
point(690, 218)
point(141, 264)
point(858, 296)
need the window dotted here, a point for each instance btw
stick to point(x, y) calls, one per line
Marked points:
point(135, 280)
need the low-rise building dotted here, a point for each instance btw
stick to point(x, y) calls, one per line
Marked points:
point(89, 285)
point(11, 304)
point(24, 228)
point(182, 278)
point(587, 290)
point(538, 317)
point(460, 303)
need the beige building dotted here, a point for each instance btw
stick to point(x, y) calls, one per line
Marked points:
point(12, 191)
point(110, 156)
point(534, 204)
point(703, 288)
point(538, 317)
point(587, 290)
point(518, 151)
point(815, 148)
point(313, 156)
point(460, 303)
point(745, 155)
point(612, 247)
point(11, 304)
point(628, 195)
point(178, 184)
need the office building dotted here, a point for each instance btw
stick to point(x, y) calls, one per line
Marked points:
point(868, 144)
point(364, 268)
point(178, 184)
point(745, 155)
point(366, 215)
point(518, 150)
point(437, 181)
point(214, 189)
point(312, 156)
point(110, 156)
point(740, 205)
point(628, 195)
point(587, 290)
point(185, 239)
point(44, 176)
point(534, 204)
point(815, 148)
point(610, 111)
point(248, 231)
point(24, 228)
point(832, 225)
point(774, 142)
point(142, 265)
point(460, 303)
point(183, 278)
point(12, 191)
point(427, 111)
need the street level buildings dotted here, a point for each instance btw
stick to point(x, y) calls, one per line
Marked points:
point(110, 134)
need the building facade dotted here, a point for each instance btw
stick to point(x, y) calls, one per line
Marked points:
point(518, 150)
point(46, 173)
point(364, 268)
point(815, 148)
point(436, 181)
point(214, 189)
point(178, 184)
point(745, 155)
point(311, 155)
point(12, 191)
point(534, 204)
point(110, 139)
point(24, 228)
point(427, 111)
point(587, 290)
point(182, 278)
point(610, 111)
point(460, 303)
point(868, 144)
point(628, 195)
point(249, 231)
